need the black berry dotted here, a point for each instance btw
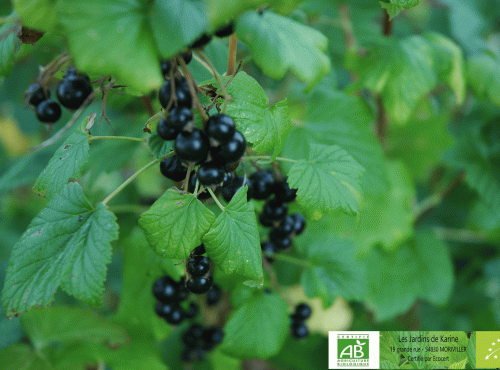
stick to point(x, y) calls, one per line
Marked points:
point(261, 187)
point(220, 127)
point(193, 336)
point(182, 93)
point(269, 248)
point(232, 151)
point(299, 330)
point(199, 284)
point(163, 309)
point(228, 179)
point(173, 169)
point(264, 221)
point(165, 289)
point(229, 191)
point(214, 295)
point(225, 31)
point(165, 131)
point(210, 173)
point(37, 93)
point(48, 111)
point(192, 186)
point(201, 41)
point(275, 210)
point(213, 336)
point(166, 66)
point(299, 223)
point(286, 227)
point(73, 90)
point(302, 311)
point(70, 73)
point(192, 311)
point(198, 266)
point(187, 56)
point(278, 241)
point(198, 251)
point(178, 117)
point(283, 192)
point(175, 316)
point(192, 146)
point(182, 292)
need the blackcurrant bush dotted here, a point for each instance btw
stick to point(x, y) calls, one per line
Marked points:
point(220, 127)
point(269, 248)
point(73, 90)
point(182, 93)
point(178, 117)
point(198, 266)
point(299, 330)
point(165, 131)
point(48, 111)
point(283, 192)
point(192, 146)
point(299, 223)
point(192, 311)
point(210, 173)
point(165, 289)
point(261, 185)
point(37, 93)
point(173, 169)
point(166, 66)
point(278, 241)
point(225, 31)
point(302, 311)
point(200, 284)
point(275, 210)
point(198, 251)
point(286, 227)
point(201, 41)
point(232, 151)
point(214, 295)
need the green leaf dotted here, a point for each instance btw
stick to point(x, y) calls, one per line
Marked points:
point(458, 365)
point(9, 47)
point(420, 269)
point(37, 14)
point(405, 3)
point(471, 351)
point(333, 270)
point(328, 180)
point(185, 19)
point(21, 356)
point(66, 164)
point(389, 359)
point(233, 242)
point(219, 11)
point(68, 324)
point(158, 146)
point(402, 72)
point(257, 329)
point(67, 244)
point(483, 77)
point(175, 224)
point(113, 38)
point(267, 128)
point(392, 9)
point(449, 62)
point(279, 44)
point(220, 361)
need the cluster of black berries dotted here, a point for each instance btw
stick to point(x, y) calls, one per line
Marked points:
point(200, 277)
point(71, 93)
point(204, 39)
point(198, 340)
point(215, 149)
point(298, 326)
point(170, 294)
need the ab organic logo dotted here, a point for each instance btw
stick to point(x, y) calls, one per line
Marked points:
point(487, 349)
point(354, 350)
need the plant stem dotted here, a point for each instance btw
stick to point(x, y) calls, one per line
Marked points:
point(386, 24)
point(192, 89)
point(146, 100)
point(118, 138)
point(216, 200)
point(216, 75)
point(268, 157)
point(9, 19)
point(203, 64)
point(289, 259)
point(131, 178)
point(381, 128)
point(231, 62)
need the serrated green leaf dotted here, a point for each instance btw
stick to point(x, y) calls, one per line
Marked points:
point(68, 324)
point(257, 329)
point(327, 181)
point(401, 71)
point(333, 270)
point(158, 146)
point(112, 39)
point(279, 44)
point(37, 14)
point(420, 269)
point(66, 164)
point(185, 19)
point(233, 242)
point(175, 224)
point(266, 127)
point(8, 48)
point(67, 244)
point(483, 77)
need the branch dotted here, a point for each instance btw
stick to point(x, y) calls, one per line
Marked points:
point(231, 62)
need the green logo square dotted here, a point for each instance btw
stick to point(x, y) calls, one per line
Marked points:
point(353, 348)
point(487, 349)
